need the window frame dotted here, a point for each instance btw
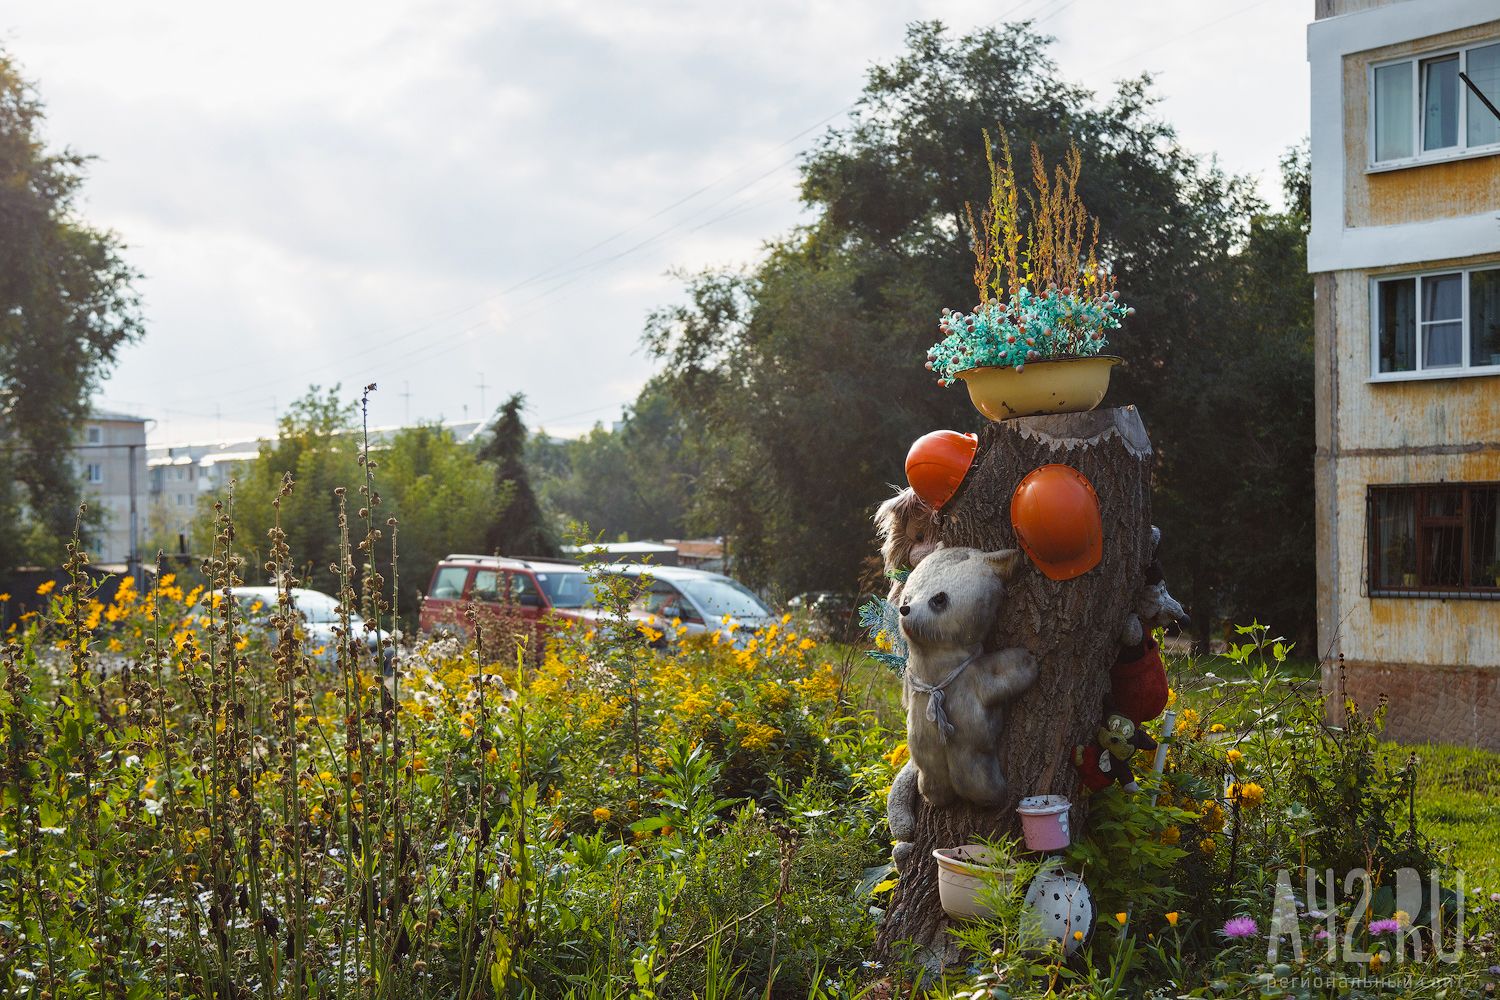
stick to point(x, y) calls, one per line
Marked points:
point(1374, 549)
point(93, 473)
point(1466, 368)
point(1419, 157)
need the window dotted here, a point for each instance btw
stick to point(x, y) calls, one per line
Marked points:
point(448, 585)
point(1420, 109)
point(1444, 324)
point(95, 435)
point(1439, 539)
point(95, 472)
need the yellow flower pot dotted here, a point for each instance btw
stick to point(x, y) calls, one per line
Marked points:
point(1061, 385)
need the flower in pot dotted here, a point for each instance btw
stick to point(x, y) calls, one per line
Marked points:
point(1035, 342)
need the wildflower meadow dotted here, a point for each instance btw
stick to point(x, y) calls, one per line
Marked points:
point(199, 804)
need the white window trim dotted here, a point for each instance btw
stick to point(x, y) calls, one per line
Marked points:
point(1461, 151)
point(92, 467)
point(1464, 370)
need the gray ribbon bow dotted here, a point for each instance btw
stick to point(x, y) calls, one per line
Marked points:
point(935, 693)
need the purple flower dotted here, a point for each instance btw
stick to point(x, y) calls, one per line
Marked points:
point(1384, 926)
point(1495, 897)
point(1322, 935)
point(1240, 927)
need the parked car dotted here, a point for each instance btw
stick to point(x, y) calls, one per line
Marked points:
point(535, 589)
point(526, 588)
point(835, 615)
point(701, 601)
point(319, 614)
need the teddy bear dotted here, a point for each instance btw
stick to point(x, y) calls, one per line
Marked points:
point(954, 691)
point(907, 528)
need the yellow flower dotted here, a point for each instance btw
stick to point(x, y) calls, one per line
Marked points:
point(1171, 696)
point(1172, 918)
point(1187, 718)
point(4, 598)
point(1376, 962)
point(1078, 935)
point(898, 756)
point(45, 587)
point(601, 814)
point(757, 735)
point(1217, 727)
point(1213, 817)
point(1171, 835)
point(1247, 794)
point(1234, 756)
point(1207, 845)
point(1120, 917)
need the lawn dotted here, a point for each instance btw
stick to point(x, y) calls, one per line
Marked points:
point(1458, 788)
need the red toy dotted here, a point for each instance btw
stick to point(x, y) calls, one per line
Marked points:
point(1138, 682)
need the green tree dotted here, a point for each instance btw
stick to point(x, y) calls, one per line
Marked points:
point(67, 307)
point(634, 481)
point(443, 497)
point(517, 526)
point(809, 370)
point(316, 443)
point(1243, 485)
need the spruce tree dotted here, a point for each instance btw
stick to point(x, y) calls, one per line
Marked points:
point(518, 528)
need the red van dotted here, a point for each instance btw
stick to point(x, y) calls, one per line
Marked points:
point(531, 588)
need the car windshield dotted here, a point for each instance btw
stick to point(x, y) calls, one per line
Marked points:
point(317, 609)
point(719, 596)
point(567, 590)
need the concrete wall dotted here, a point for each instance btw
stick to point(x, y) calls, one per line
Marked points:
point(111, 496)
point(1419, 193)
point(1438, 661)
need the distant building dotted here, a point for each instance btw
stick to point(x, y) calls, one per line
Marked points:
point(110, 456)
point(182, 473)
point(699, 553)
point(1405, 249)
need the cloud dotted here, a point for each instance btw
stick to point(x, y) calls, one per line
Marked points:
point(423, 194)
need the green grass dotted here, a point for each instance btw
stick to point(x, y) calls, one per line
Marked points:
point(1458, 788)
point(1458, 805)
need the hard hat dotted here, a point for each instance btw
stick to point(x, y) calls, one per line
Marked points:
point(937, 464)
point(1055, 514)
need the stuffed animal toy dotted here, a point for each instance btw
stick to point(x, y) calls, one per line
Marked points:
point(954, 691)
point(1108, 760)
point(1138, 683)
point(1154, 607)
point(907, 528)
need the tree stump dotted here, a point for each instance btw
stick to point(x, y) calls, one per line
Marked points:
point(1071, 626)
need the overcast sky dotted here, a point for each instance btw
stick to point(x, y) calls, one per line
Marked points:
point(434, 196)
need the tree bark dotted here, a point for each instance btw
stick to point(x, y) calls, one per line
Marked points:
point(1071, 626)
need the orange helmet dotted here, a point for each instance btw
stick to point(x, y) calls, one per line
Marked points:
point(937, 464)
point(1055, 514)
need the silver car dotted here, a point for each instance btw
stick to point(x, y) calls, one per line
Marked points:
point(319, 614)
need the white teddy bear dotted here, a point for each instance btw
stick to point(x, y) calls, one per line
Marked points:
point(954, 691)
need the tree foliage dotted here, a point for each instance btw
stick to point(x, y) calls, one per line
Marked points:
point(66, 308)
point(316, 444)
point(443, 497)
point(634, 481)
point(807, 369)
point(517, 527)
